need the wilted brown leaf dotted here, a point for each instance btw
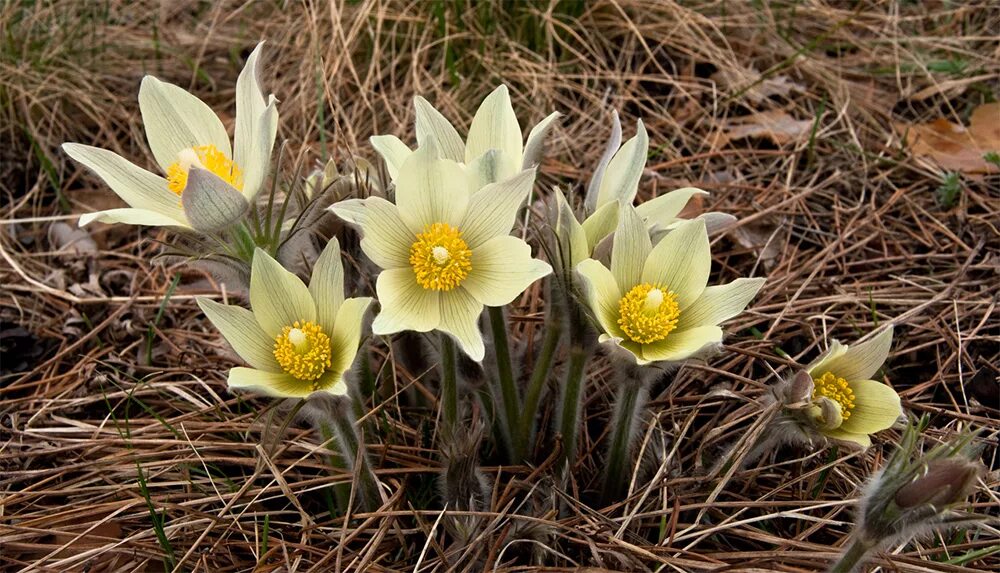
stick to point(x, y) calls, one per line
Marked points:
point(775, 125)
point(953, 147)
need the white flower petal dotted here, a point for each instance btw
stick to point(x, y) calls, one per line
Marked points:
point(493, 208)
point(276, 384)
point(818, 367)
point(535, 144)
point(842, 436)
point(386, 239)
point(131, 217)
point(502, 268)
point(431, 190)
point(405, 304)
point(326, 285)
point(256, 125)
point(614, 142)
point(240, 329)
point(350, 210)
point(175, 120)
point(346, 333)
point(460, 318)
point(431, 124)
point(876, 407)
point(861, 361)
point(495, 127)
point(664, 209)
point(572, 237)
point(681, 262)
point(630, 250)
point(718, 303)
point(136, 186)
point(682, 344)
point(393, 151)
point(278, 298)
point(603, 295)
point(257, 162)
point(483, 171)
point(601, 224)
point(621, 179)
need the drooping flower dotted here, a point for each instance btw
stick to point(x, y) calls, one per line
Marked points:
point(208, 182)
point(653, 301)
point(494, 149)
point(297, 339)
point(844, 403)
point(444, 253)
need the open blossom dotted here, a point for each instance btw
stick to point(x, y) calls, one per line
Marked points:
point(493, 151)
point(297, 339)
point(653, 301)
point(844, 402)
point(206, 181)
point(445, 253)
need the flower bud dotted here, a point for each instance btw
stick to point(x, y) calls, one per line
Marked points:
point(210, 203)
point(946, 482)
point(800, 388)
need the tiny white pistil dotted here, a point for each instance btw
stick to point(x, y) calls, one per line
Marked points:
point(298, 339)
point(441, 255)
point(187, 159)
point(654, 299)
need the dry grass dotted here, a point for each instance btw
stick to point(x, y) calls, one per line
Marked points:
point(116, 422)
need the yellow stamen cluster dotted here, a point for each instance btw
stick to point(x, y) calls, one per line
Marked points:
point(303, 350)
point(648, 313)
point(440, 258)
point(837, 389)
point(210, 158)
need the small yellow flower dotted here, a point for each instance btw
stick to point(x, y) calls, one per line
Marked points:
point(493, 151)
point(185, 134)
point(298, 339)
point(846, 404)
point(445, 253)
point(653, 301)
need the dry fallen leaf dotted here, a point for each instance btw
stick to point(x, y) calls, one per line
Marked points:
point(775, 125)
point(953, 147)
point(766, 236)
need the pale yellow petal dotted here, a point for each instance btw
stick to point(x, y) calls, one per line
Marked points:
point(460, 318)
point(601, 224)
point(350, 210)
point(573, 239)
point(862, 361)
point(431, 190)
point(275, 384)
point(256, 125)
point(621, 178)
point(393, 151)
point(239, 327)
point(431, 124)
point(386, 239)
point(876, 407)
point(614, 142)
point(682, 344)
point(495, 127)
point(603, 295)
point(681, 262)
point(842, 436)
point(176, 120)
point(818, 367)
point(405, 304)
point(131, 217)
point(719, 303)
point(664, 209)
point(346, 333)
point(630, 250)
point(502, 268)
point(493, 209)
point(535, 144)
point(326, 285)
point(278, 298)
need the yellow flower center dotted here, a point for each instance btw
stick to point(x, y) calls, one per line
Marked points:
point(836, 389)
point(440, 258)
point(648, 313)
point(207, 157)
point(303, 350)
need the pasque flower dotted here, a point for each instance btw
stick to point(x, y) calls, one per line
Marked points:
point(844, 403)
point(653, 301)
point(445, 253)
point(206, 181)
point(494, 149)
point(297, 339)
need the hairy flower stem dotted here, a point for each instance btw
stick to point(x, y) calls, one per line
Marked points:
point(539, 376)
point(630, 399)
point(449, 385)
point(354, 454)
point(580, 349)
point(852, 558)
point(505, 372)
point(341, 491)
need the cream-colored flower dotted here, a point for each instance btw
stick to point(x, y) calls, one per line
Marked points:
point(183, 134)
point(846, 403)
point(493, 151)
point(445, 253)
point(653, 301)
point(297, 339)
